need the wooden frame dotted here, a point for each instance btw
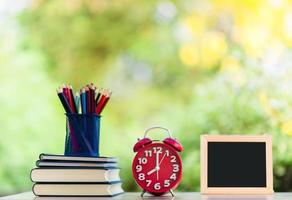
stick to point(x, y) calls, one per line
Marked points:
point(236, 190)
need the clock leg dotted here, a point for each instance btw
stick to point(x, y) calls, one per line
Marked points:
point(171, 192)
point(143, 192)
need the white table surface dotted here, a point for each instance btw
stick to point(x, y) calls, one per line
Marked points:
point(178, 195)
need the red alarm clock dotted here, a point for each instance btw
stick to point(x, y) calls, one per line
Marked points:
point(157, 166)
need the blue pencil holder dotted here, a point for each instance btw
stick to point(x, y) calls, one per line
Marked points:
point(82, 135)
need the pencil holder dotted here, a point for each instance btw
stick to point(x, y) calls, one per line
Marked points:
point(82, 135)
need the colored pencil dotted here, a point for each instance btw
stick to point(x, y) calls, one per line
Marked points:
point(64, 101)
point(89, 100)
point(65, 92)
point(68, 97)
point(77, 101)
point(100, 103)
point(91, 94)
point(88, 107)
point(97, 97)
point(105, 102)
point(83, 97)
point(71, 95)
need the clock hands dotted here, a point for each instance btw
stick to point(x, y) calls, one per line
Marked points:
point(157, 166)
point(152, 171)
point(161, 160)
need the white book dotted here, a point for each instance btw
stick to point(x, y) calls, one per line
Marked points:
point(75, 175)
point(89, 190)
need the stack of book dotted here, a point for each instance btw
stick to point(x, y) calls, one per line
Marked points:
point(58, 175)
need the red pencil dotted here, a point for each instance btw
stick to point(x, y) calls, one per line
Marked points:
point(104, 104)
point(91, 94)
point(100, 102)
point(65, 91)
point(67, 95)
point(93, 106)
point(71, 96)
point(103, 101)
point(88, 107)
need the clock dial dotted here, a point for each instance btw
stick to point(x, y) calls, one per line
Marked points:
point(157, 168)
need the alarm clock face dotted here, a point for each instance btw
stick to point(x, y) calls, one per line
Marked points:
point(157, 168)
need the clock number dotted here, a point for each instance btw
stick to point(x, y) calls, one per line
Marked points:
point(173, 159)
point(157, 186)
point(166, 183)
point(142, 160)
point(173, 176)
point(148, 183)
point(167, 153)
point(138, 168)
point(157, 149)
point(148, 153)
point(141, 177)
point(175, 168)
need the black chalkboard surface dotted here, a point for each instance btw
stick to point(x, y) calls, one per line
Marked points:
point(236, 164)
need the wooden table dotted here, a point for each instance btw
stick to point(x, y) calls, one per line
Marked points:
point(178, 195)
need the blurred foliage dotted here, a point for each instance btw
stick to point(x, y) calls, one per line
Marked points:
point(196, 67)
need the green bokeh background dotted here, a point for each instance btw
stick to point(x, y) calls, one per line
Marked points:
point(195, 67)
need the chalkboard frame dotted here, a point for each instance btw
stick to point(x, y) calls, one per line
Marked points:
point(267, 139)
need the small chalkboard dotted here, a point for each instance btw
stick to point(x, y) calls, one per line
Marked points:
point(236, 164)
